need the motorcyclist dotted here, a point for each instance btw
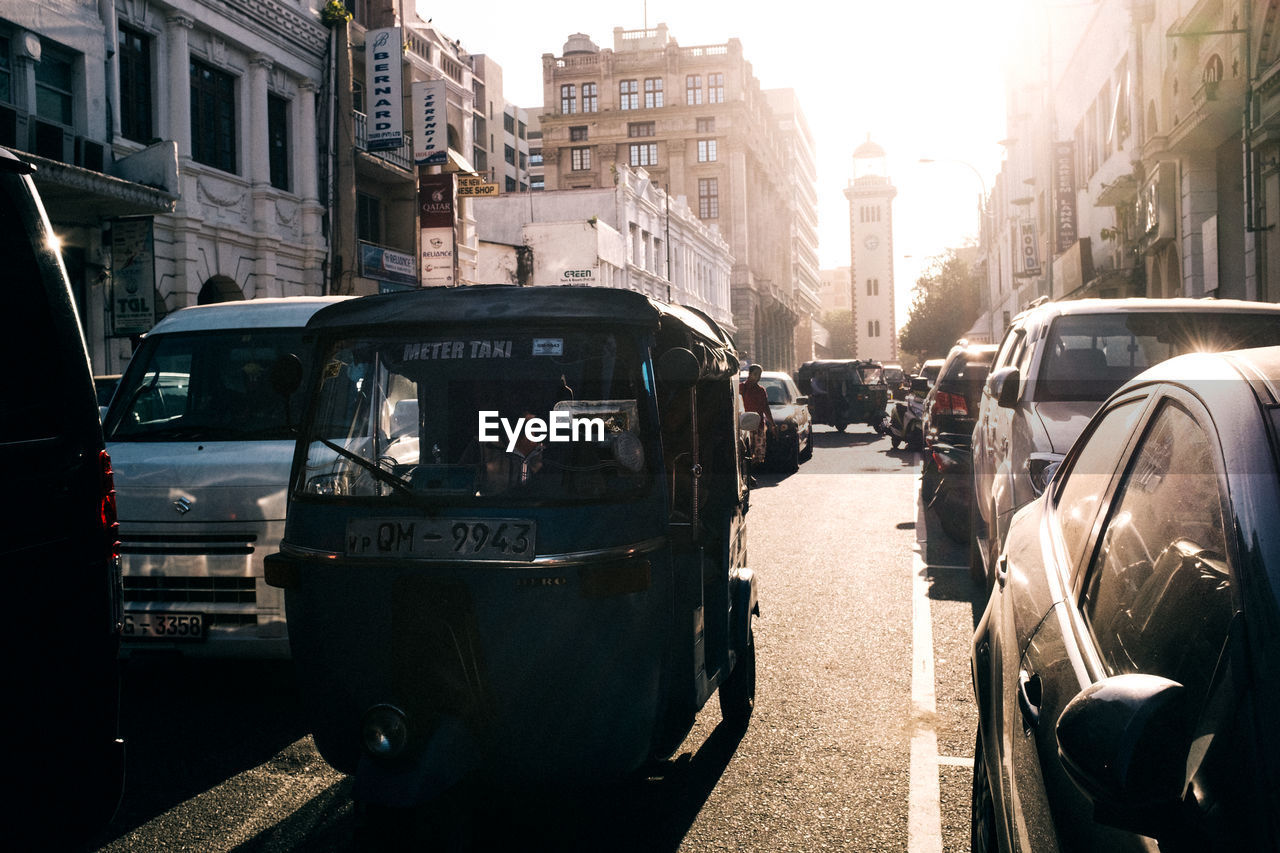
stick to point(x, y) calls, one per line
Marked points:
point(754, 399)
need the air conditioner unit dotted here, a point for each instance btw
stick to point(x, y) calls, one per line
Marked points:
point(88, 154)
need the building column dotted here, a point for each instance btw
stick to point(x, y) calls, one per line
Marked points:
point(180, 83)
point(259, 171)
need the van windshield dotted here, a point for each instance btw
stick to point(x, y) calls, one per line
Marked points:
point(207, 386)
point(544, 415)
point(1088, 356)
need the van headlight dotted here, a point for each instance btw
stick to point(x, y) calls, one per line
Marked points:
point(385, 731)
point(1041, 467)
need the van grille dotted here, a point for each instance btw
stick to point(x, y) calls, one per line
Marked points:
point(197, 544)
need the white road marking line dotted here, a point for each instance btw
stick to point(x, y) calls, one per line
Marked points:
point(924, 807)
point(955, 761)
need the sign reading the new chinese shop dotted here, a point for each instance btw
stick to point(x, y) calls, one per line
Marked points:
point(473, 185)
point(133, 276)
point(1064, 195)
point(430, 126)
point(386, 101)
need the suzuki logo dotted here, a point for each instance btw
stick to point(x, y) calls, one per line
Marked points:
point(182, 505)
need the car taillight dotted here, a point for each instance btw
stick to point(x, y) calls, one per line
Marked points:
point(947, 403)
point(110, 521)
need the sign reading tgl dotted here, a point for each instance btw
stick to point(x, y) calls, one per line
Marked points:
point(382, 68)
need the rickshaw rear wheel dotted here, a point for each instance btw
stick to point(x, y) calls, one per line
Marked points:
point(738, 692)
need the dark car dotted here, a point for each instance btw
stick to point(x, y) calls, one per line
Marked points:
point(1125, 666)
point(62, 574)
point(844, 391)
point(951, 408)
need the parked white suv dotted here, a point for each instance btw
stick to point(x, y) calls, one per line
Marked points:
point(1056, 365)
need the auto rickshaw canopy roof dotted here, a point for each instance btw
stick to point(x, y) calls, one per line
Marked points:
point(474, 306)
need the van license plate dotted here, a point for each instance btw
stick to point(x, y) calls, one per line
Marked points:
point(459, 538)
point(157, 625)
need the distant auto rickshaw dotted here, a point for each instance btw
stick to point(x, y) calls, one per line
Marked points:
point(845, 391)
point(515, 549)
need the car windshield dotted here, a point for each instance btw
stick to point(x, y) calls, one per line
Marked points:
point(776, 391)
point(1088, 356)
point(514, 415)
point(207, 386)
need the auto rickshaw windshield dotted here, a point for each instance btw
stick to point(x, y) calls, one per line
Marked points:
point(514, 415)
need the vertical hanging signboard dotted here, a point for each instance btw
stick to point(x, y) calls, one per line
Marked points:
point(1028, 249)
point(133, 276)
point(430, 125)
point(436, 218)
point(1064, 195)
point(384, 76)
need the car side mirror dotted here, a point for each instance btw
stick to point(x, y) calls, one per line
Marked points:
point(1124, 742)
point(678, 366)
point(1005, 385)
point(801, 401)
point(749, 421)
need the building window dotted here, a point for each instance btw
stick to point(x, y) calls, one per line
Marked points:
point(580, 159)
point(524, 161)
point(590, 98)
point(715, 88)
point(652, 93)
point(278, 141)
point(357, 96)
point(511, 185)
point(629, 95)
point(213, 117)
point(535, 158)
point(568, 99)
point(135, 86)
point(706, 125)
point(54, 80)
point(6, 69)
point(537, 183)
point(368, 218)
point(644, 154)
point(708, 198)
point(509, 154)
point(693, 90)
point(706, 150)
point(640, 128)
point(521, 130)
point(578, 133)
point(873, 287)
point(873, 328)
point(509, 123)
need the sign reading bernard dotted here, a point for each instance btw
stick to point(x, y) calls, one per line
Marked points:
point(382, 68)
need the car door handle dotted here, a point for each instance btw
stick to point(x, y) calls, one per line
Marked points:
point(1002, 570)
point(1030, 695)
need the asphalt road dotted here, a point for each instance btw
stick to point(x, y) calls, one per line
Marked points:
point(861, 740)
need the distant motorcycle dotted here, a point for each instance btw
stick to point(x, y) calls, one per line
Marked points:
point(904, 423)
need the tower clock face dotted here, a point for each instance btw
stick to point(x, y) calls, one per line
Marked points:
point(872, 242)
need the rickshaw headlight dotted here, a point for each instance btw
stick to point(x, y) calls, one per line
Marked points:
point(628, 451)
point(385, 731)
point(327, 485)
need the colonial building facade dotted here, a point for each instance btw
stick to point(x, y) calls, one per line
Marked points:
point(696, 120)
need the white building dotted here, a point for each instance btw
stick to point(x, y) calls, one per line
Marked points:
point(631, 236)
point(870, 196)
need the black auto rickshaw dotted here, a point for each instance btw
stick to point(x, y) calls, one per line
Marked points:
point(845, 391)
point(479, 590)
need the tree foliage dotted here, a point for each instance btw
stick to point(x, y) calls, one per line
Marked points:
point(840, 325)
point(944, 305)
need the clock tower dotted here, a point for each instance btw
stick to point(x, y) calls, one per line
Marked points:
point(870, 195)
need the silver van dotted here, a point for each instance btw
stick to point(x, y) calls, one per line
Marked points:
point(202, 440)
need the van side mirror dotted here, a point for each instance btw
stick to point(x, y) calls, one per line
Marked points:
point(678, 366)
point(1005, 385)
point(1124, 742)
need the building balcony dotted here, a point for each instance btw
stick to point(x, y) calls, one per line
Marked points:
point(401, 157)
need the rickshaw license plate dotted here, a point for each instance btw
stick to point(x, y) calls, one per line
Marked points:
point(156, 625)
point(463, 538)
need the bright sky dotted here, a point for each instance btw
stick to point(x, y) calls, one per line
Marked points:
point(925, 79)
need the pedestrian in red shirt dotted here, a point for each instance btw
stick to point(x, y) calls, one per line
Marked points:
point(754, 399)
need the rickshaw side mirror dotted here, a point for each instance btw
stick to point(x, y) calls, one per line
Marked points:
point(286, 374)
point(678, 366)
point(749, 421)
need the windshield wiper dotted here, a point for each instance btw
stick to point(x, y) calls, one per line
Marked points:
point(379, 473)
